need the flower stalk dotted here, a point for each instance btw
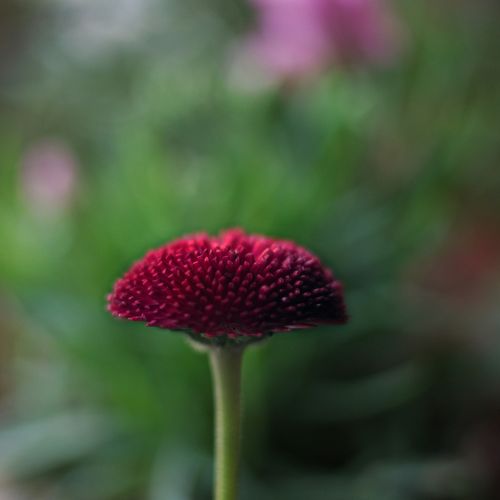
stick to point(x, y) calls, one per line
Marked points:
point(226, 363)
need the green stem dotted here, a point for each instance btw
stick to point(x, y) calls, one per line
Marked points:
point(226, 375)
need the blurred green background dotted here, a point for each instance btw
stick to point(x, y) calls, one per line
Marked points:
point(390, 174)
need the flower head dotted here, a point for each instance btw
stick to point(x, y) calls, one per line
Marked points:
point(233, 285)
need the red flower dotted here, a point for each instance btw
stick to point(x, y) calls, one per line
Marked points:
point(234, 285)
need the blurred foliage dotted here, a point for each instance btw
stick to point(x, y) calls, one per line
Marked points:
point(389, 175)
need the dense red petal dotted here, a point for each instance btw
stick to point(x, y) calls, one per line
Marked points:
point(234, 285)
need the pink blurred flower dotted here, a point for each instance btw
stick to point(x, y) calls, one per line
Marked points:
point(49, 176)
point(296, 38)
point(467, 266)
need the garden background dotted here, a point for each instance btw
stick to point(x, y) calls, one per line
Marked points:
point(125, 124)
